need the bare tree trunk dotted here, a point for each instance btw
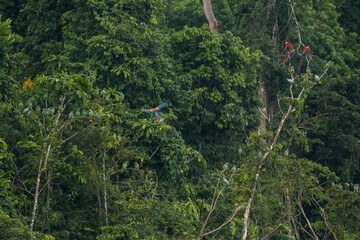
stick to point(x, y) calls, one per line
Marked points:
point(48, 179)
point(290, 216)
point(261, 129)
point(105, 192)
point(97, 189)
point(37, 189)
point(263, 110)
point(214, 25)
point(290, 110)
point(288, 209)
point(248, 206)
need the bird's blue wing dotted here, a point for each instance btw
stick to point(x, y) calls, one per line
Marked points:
point(146, 110)
point(162, 105)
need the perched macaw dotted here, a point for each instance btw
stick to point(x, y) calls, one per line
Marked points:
point(155, 111)
point(306, 50)
point(287, 49)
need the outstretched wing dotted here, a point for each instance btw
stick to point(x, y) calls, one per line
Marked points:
point(161, 105)
point(146, 110)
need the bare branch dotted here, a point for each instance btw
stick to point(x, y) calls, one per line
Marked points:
point(275, 229)
point(302, 227)
point(225, 223)
point(248, 207)
point(324, 215)
point(263, 113)
point(211, 206)
point(301, 93)
point(37, 192)
point(24, 189)
point(278, 100)
point(155, 151)
point(309, 119)
point(296, 22)
point(307, 220)
point(68, 138)
point(324, 72)
point(290, 88)
point(19, 179)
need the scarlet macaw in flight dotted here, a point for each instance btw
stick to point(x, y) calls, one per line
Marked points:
point(306, 50)
point(155, 111)
point(287, 49)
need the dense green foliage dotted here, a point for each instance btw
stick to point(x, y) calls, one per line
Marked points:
point(80, 160)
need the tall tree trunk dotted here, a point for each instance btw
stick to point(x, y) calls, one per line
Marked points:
point(291, 231)
point(37, 189)
point(97, 174)
point(261, 129)
point(248, 206)
point(48, 179)
point(263, 109)
point(214, 25)
point(105, 192)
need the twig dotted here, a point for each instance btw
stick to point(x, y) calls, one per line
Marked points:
point(213, 205)
point(296, 22)
point(68, 138)
point(155, 151)
point(274, 230)
point(324, 72)
point(278, 100)
point(301, 93)
point(263, 113)
point(317, 116)
point(290, 88)
point(247, 209)
point(225, 223)
point(324, 215)
point(302, 227)
point(307, 220)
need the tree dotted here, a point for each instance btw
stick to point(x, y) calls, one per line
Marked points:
point(53, 104)
point(214, 25)
point(78, 159)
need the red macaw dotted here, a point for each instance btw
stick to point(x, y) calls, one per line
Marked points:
point(287, 49)
point(306, 50)
point(155, 111)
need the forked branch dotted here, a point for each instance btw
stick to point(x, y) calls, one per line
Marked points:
point(213, 205)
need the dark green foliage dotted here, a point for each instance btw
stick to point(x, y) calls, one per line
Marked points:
point(74, 76)
point(14, 229)
point(212, 91)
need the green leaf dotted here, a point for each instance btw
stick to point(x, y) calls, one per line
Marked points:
point(136, 166)
point(125, 164)
point(3, 143)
